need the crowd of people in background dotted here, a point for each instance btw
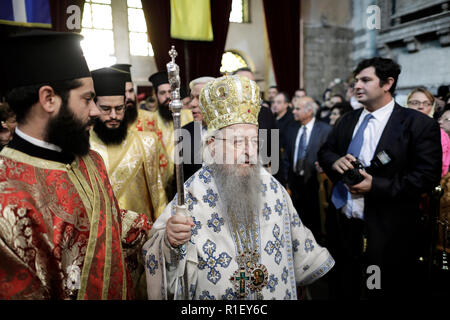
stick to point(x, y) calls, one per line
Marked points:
point(337, 100)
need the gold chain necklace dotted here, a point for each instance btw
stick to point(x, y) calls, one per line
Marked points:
point(251, 276)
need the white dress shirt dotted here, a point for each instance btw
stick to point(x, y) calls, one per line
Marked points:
point(372, 134)
point(309, 127)
point(37, 142)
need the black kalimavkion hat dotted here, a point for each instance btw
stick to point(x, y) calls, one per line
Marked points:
point(123, 67)
point(40, 57)
point(109, 82)
point(158, 79)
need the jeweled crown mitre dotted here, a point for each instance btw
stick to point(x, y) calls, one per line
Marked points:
point(230, 100)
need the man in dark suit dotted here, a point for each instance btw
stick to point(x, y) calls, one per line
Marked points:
point(192, 144)
point(304, 138)
point(283, 114)
point(378, 218)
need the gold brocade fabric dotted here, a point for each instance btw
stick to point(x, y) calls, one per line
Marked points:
point(147, 122)
point(134, 171)
point(59, 223)
point(166, 134)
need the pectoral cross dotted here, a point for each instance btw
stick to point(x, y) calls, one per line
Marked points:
point(240, 279)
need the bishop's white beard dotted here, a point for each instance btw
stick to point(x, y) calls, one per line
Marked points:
point(240, 193)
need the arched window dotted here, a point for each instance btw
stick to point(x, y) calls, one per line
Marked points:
point(97, 29)
point(231, 61)
point(240, 11)
point(137, 27)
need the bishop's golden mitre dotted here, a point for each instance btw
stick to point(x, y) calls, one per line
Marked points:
point(230, 100)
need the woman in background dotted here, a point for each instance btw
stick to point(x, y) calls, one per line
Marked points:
point(338, 110)
point(422, 100)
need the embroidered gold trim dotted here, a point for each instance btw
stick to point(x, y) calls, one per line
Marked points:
point(108, 237)
point(35, 162)
point(94, 219)
point(124, 272)
point(82, 187)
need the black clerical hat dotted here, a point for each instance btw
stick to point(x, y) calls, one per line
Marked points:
point(123, 67)
point(40, 57)
point(109, 82)
point(158, 78)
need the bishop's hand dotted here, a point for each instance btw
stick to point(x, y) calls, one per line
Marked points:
point(178, 230)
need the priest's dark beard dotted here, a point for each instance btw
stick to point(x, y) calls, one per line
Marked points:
point(239, 194)
point(164, 110)
point(68, 132)
point(131, 111)
point(111, 135)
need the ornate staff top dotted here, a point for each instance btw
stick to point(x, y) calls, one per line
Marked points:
point(173, 72)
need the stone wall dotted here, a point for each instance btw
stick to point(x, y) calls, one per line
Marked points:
point(417, 36)
point(327, 55)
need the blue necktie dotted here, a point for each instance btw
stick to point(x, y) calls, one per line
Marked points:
point(301, 152)
point(340, 193)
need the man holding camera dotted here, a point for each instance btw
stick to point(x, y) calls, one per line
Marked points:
point(381, 158)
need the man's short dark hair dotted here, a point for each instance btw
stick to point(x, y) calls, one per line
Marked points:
point(287, 99)
point(274, 87)
point(22, 98)
point(384, 68)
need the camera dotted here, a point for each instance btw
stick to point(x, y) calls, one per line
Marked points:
point(352, 176)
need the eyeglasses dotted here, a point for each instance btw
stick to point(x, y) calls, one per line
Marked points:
point(107, 110)
point(239, 142)
point(415, 103)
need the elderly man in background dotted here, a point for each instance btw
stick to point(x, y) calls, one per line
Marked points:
point(196, 129)
point(303, 140)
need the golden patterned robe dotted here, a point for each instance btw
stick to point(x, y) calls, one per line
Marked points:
point(133, 169)
point(165, 131)
point(166, 135)
point(61, 230)
point(147, 122)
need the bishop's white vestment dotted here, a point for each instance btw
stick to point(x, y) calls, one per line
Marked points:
point(207, 267)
